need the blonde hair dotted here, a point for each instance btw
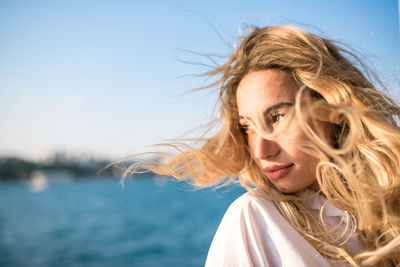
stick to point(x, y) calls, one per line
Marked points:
point(358, 174)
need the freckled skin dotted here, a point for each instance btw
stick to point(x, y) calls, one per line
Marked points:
point(256, 92)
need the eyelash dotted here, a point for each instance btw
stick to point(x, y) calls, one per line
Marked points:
point(277, 117)
point(243, 128)
point(274, 118)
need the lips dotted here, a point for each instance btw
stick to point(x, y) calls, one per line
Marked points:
point(277, 171)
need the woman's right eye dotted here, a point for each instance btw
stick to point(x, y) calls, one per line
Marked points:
point(243, 127)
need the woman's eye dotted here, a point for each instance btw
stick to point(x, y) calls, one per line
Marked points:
point(243, 127)
point(277, 117)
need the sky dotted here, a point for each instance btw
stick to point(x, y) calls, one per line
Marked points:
point(110, 78)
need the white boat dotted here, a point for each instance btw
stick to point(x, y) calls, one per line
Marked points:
point(38, 182)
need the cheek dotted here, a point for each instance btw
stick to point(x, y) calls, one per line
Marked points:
point(250, 145)
point(291, 146)
point(249, 140)
point(305, 163)
point(291, 142)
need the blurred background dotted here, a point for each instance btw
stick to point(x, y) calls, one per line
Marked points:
point(83, 83)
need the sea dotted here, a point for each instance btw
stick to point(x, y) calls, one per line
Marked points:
point(150, 221)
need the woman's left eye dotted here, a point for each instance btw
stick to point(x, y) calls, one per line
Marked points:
point(277, 117)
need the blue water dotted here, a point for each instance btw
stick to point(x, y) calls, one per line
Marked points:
point(99, 223)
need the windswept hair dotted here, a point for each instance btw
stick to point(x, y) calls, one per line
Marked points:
point(359, 173)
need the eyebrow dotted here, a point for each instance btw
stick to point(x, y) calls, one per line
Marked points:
point(273, 108)
point(277, 106)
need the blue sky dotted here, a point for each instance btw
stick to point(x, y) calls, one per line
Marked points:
point(107, 78)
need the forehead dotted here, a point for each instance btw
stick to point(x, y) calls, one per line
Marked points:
point(259, 90)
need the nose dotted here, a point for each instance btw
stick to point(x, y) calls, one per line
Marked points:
point(264, 148)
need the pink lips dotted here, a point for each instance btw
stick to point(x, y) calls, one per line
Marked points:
point(277, 171)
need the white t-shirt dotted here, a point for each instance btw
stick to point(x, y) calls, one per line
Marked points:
point(254, 233)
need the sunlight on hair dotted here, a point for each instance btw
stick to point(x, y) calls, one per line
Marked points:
point(358, 172)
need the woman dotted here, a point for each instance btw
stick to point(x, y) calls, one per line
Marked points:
point(315, 144)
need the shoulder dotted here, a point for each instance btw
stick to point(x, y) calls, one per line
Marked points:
point(252, 212)
point(250, 200)
point(250, 204)
point(254, 233)
point(245, 236)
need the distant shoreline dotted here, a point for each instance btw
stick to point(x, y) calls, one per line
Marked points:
point(12, 168)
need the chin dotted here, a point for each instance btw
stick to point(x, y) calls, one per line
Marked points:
point(294, 189)
point(287, 190)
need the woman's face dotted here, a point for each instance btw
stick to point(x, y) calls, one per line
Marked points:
point(263, 98)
